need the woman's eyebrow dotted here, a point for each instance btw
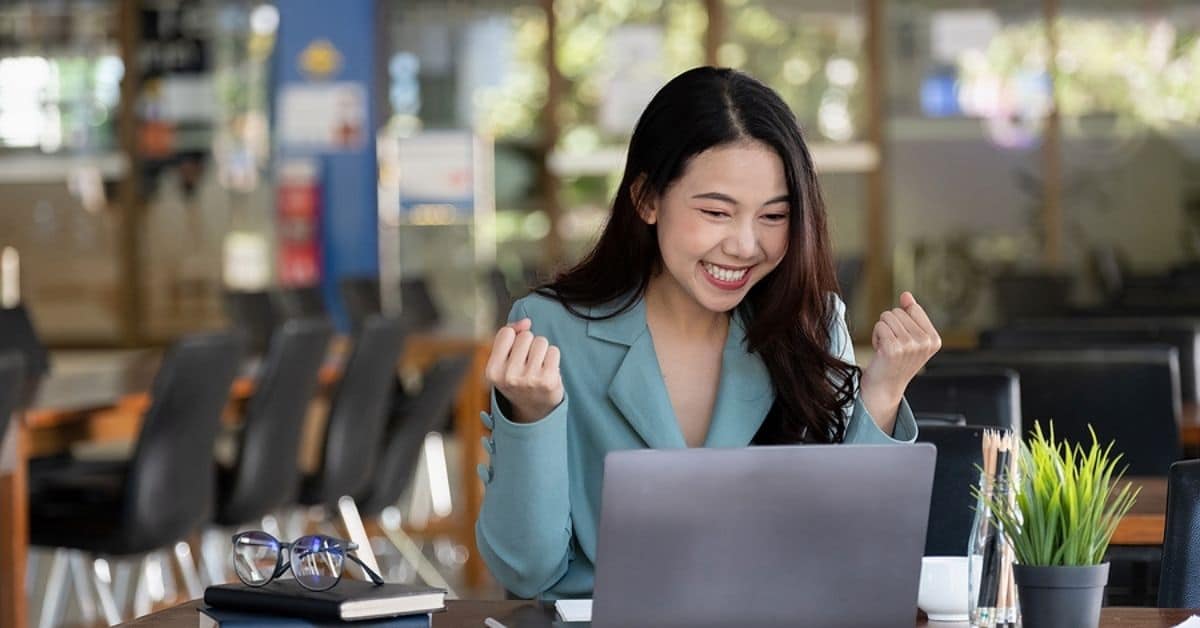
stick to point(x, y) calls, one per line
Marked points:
point(725, 198)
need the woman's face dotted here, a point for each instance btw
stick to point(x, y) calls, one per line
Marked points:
point(723, 225)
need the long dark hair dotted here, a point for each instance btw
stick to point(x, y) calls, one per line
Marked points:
point(788, 313)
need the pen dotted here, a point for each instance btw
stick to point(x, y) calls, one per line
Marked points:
point(492, 623)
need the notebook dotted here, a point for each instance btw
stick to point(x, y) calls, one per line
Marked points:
point(214, 618)
point(573, 610)
point(350, 599)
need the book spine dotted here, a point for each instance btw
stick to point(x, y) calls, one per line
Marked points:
point(268, 604)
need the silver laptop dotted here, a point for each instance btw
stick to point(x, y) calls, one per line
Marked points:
point(765, 536)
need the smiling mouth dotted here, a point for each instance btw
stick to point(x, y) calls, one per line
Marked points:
point(724, 274)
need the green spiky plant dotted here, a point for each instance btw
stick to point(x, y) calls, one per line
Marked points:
point(1064, 509)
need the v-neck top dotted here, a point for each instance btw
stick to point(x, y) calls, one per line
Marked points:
point(540, 517)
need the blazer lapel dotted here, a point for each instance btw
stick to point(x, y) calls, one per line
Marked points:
point(637, 388)
point(744, 395)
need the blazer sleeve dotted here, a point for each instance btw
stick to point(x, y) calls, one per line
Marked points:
point(524, 529)
point(861, 428)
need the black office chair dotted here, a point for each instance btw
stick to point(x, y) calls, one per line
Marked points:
point(1179, 584)
point(1183, 334)
point(253, 313)
point(427, 411)
point(1031, 295)
point(165, 491)
point(18, 333)
point(265, 475)
point(989, 397)
point(418, 310)
point(849, 271)
point(357, 415)
point(502, 298)
point(1130, 396)
point(12, 378)
point(361, 298)
point(951, 505)
point(301, 302)
point(939, 418)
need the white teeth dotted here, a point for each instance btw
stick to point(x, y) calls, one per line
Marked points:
point(724, 274)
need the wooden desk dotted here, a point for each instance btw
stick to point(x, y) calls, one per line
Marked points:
point(518, 614)
point(1146, 521)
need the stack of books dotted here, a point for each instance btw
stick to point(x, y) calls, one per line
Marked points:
point(286, 604)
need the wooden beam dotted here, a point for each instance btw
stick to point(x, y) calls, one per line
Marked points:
point(878, 249)
point(129, 201)
point(714, 35)
point(548, 180)
point(1052, 218)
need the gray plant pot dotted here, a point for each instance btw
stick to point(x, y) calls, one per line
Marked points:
point(1060, 597)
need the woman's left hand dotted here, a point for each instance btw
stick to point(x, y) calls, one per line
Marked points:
point(904, 339)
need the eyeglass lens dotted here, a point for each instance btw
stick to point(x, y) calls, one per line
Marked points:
point(255, 557)
point(317, 561)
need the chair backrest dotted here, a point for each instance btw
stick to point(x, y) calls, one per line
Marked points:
point(18, 333)
point(502, 298)
point(266, 475)
point(939, 418)
point(1130, 396)
point(1183, 334)
point(361, 298)
point(301, 302)
point(170, 482)
point(418, 310)
point(423, 413)
point(359, 410)
point(1031, 295)
point(12, 376)
point(849, 271)
point(1179, 584)
point(989, 397)
point(951, 505)
point(252, 313)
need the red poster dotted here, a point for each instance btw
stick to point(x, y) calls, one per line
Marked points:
point(299, 225)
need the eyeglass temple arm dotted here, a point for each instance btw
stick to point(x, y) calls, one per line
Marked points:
point(376, 578)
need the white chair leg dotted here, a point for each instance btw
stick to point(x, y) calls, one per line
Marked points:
point(389, 522)
point(102, 579)
point(56, 590)
point(213, 555)
point(32, 562)
point(270, 525)
point(439, 474)
point(166, 577)
point(148, 587)
point(81, 584)
point(123, 577)
point(187, 570)
point(348, 510)
point(420, 497)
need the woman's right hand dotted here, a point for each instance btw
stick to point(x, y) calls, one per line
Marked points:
point(524, 368)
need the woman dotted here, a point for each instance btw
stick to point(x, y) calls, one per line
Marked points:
point(706, 315)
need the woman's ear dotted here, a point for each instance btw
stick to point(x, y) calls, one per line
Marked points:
point(647, 207)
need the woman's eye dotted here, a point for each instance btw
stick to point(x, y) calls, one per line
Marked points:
point(776, 217)
point(713, 213)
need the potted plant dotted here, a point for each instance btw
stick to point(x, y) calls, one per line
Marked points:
point(1062, 512)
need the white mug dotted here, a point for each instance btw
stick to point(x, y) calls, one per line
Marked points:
point(943, 589)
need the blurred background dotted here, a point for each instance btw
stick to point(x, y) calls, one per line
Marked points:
point(169, 168)
point(147, 149)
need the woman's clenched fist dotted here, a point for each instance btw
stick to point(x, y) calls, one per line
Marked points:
point(524, 369)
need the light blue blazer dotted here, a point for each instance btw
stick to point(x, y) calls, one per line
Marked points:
point(541, 511)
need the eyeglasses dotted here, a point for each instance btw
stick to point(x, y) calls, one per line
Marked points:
point(315, 560)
